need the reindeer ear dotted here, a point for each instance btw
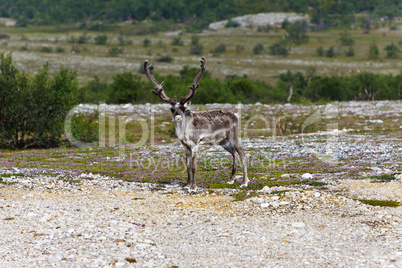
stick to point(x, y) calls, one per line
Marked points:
point(187, 104)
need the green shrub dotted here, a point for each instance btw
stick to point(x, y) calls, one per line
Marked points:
point(264, 28)
point(4, 36)
point(232, 24)
point(177, 41)
point(59, 50)
point(83, 39)
point(297, 32)
point(196, 48)
point(164, 58)
point(24, 48)
point(330, 52)
point(115, 51)
point(350, 52)
point(320, 52)
point(33, 109)
point(221, 48)
point(258, 49)
point(239, 48)
point(126, 88)
point(146, 42)
point(101, 39)
point(392, 51)
point(94, 91)
point(84, 127)
point(373, 51)
point(123, 41)
point(279, 48)
point(46, 49)
point(346, 39)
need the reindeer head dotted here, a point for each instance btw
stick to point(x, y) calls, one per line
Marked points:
point(177, 108)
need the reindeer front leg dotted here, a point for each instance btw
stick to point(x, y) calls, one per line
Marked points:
point(191, 163)
point(188, 165)
point(193, 185)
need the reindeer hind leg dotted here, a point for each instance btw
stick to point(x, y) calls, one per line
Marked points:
point(228, 147)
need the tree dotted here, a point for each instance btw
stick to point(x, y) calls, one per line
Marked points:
point(126, 88)
point(258, 49)
point(196, 47)
point(297, 32)
point(33, 110)
point(373, 51)
point(393, 51)
point(101, 39)
point(279, 48)
point(346, 39)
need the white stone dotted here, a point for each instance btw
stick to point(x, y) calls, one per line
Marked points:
point(307, 176)
point(298, 224)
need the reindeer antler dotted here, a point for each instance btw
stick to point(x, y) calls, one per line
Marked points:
point(158, 87)
point(193, 88)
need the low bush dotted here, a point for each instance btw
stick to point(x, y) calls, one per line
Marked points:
point(33, 109)
point(115, 51)
point(101, 39)
point(46, 49)
point(258, 49)
point(221, 48)
point(165, 58)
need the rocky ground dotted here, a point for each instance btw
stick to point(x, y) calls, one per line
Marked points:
point(51, 222)
point(64, 217)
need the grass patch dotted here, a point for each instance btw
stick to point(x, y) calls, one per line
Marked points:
point(9, 219)
point(380, 203)
point(223, 185)
point(243, 195)
point(8, 175)
point(383, 178)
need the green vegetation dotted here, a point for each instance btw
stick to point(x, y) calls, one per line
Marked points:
point(297, 32)
point(101, 39)
point(393, 51)
point(221, 48)
point(383, 178)
point(346, 39)
point(196, 47)
point(380, 203)
point(115, 51)
point(258, 49)
point(165, 58)
point(177, 42)
point(374, 52)
point(33, 109)
point(279, 48)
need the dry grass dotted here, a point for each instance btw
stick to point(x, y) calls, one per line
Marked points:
point(94, 60)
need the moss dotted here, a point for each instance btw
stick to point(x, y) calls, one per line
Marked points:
point(380, 203)
point(8, 175)
point(243, 195)
point(384, 178)
point(223, 185)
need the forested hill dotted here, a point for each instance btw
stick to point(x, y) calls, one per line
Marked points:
point(55, 12)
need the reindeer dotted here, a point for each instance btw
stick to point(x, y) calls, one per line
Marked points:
point(196, 128)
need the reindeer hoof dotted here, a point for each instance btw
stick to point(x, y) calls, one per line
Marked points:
point(191, 191)
point(231, 182)
point(194, 191)
point(244, 184)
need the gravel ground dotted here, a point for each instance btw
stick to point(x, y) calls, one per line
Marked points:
point(47, 222)
point(86, 220)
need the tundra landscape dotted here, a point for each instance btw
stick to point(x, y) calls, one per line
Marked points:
point(324, 162)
